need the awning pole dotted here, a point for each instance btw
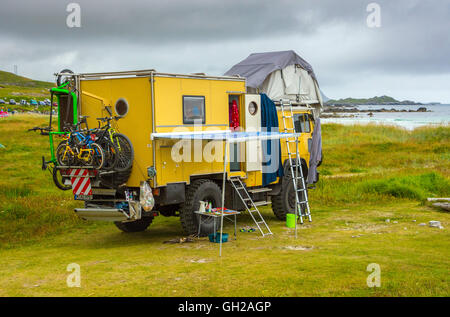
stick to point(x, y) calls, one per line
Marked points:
point(223, 193)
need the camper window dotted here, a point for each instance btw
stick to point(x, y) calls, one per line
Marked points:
point(302, 123)
point(121, 107)
point(193, 109)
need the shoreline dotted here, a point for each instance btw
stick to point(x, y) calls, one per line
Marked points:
point(336, 111)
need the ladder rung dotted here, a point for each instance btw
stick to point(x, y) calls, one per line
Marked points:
point(259, 190)
point(261, 203)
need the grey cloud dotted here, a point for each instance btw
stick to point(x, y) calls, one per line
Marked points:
point(206, 35)
point(167, 21)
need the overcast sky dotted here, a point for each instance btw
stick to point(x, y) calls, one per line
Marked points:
point(408, 57)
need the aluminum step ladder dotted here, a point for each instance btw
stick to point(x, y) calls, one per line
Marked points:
point(243, 194)
point(295, 163)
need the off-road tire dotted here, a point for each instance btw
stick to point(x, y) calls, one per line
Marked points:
point(134, 226)
point(284, 202)
point(115, 179)
point(202, 189)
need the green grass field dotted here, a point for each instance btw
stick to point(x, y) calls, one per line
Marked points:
point(369, 174)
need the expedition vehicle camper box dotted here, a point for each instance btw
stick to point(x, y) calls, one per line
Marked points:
point(149, 102)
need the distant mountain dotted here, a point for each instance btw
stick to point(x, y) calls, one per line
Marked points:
point(324, 98)
point(381, 100)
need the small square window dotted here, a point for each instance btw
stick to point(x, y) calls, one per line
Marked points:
point(301, 122)
point(193, 109)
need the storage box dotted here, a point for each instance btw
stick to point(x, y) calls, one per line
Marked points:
point(215, 237)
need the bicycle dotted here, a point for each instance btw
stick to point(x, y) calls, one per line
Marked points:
point(105, 140)
point(58, 178)
point(121, 142)
point(80, 148)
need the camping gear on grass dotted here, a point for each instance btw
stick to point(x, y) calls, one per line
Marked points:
point(247, 229)
point(180, 240)
point(215, 237)
point(290, 220)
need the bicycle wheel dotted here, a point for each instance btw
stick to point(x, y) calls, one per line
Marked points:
point(111, 153)
point(126, 152)
point(97, 157)
point(59, 179)
point(62, 157)
point(64, 76)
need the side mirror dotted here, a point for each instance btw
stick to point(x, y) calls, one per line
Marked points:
point(108, 109)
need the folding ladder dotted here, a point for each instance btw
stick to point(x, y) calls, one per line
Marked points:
point(297, 174)
point(252, 209)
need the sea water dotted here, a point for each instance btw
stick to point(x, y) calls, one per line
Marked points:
point(435, 115)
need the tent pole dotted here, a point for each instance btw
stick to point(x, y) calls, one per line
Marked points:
point(223, 194)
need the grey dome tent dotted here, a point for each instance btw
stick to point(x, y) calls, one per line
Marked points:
point(280, 75)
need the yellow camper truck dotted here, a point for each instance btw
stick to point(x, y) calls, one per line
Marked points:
point(147, 102)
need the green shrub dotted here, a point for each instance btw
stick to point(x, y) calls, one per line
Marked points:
point(417, 187)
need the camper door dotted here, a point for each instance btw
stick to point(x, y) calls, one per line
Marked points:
point(252, 109)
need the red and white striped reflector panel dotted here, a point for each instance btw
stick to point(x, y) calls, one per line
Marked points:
point(81, 183)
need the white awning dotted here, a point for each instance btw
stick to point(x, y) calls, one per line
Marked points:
point(224, 135)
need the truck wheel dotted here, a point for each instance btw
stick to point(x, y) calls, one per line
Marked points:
point(284, 202)
point(200, 190)
point(115, 179)
point(134, 226)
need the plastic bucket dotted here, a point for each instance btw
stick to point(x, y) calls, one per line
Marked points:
point(290, 220)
